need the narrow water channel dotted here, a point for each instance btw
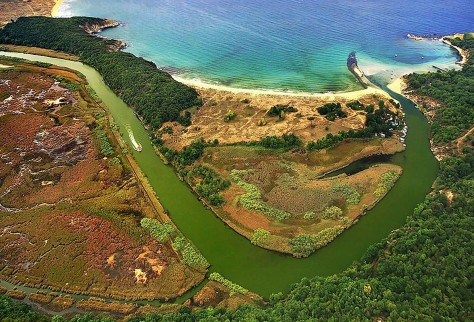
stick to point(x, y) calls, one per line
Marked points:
point(232, 255)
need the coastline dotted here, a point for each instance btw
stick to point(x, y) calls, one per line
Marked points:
point(353, 95)
point(464, 54)
point(445, 40)
point(397, 86)
point(55, 9)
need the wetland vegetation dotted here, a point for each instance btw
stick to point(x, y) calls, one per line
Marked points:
point(70, 200)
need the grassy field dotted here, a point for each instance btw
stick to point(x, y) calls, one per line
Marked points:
point(239, 117)
point(70, 204)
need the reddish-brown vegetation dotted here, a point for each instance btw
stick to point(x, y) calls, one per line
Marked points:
point(70, 217)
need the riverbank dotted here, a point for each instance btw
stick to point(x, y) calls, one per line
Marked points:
point(38, 51)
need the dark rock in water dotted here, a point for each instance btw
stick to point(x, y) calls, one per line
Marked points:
point(351, 60)
point(354, 68)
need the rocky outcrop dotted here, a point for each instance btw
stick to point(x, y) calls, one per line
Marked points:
point(354, 69)
point(96, 28)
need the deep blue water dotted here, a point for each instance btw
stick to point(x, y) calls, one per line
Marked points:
point(294, 45)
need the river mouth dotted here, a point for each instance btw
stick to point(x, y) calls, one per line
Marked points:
point(233, 256)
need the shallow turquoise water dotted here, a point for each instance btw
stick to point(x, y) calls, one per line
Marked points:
point(297, 45)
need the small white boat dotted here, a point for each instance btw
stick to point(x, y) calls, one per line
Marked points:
point(137, 146)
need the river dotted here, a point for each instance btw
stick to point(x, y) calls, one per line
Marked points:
point(262, 271)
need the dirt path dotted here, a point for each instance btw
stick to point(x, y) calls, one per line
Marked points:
point(462, 138)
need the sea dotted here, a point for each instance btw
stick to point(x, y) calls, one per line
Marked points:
point(284, 45)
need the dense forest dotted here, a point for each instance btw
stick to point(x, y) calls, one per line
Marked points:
point(153, 93)
point(423, 271)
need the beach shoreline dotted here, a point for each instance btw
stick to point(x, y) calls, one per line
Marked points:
point(55, 9)
point(445, 40)
point(464, 54)
point(199, 84)
point(397, 86)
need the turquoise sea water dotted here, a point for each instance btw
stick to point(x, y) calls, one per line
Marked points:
point(298, 45)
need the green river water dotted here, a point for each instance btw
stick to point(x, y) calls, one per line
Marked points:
point(262, 271)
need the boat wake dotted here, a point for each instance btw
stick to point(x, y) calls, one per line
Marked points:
point(137, 146)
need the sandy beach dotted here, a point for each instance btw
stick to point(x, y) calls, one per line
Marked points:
point(397, 86)
point(462, 52)
point(57, 5)
point(198, 84)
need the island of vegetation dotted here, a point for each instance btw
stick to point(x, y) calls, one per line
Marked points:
point(421, 271)
point(264, 163)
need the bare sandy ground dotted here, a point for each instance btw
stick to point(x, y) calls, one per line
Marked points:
point(11, 10)
point(397, 86)
point(354, 95)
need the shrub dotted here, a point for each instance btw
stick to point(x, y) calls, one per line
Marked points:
point(332, 212)
point(191, 257)
point(229, 116)
point(387, 180)
point(105, 148)
point(260, 236)
point(188, 155)
point(303, 244)
point(351, 195)
point(332, 111)
point(251, 200)
point(210, 184)
point(42, 64)
point(234, 288)
point(93, 94)
point(159, 231)
point(280, 110)
point(356, 106)
point(327, 235)
point(287, 141)
point(345, 221)
point(309, 215)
